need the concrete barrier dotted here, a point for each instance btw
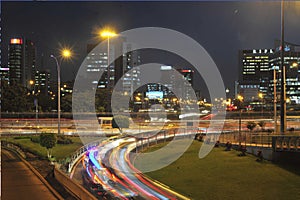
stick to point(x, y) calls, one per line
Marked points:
point(77, 190)
point(267, 153)
point(286, 157)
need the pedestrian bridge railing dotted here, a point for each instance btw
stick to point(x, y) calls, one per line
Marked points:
point(286, 143)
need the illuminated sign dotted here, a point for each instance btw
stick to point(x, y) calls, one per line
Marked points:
point(154, 94)
point(163, 68)
point(287, 48)
point(4, 69)
point(186, 70)
point(16, 41)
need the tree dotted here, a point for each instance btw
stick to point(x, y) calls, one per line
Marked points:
point(66, 103)
point(102, 99)
point(262, 124)
point(48, 140)
point(16, 98)
point(120, 122)
point(45, 102)
point(251, 125)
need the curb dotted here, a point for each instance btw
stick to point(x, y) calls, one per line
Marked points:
point(51, 189)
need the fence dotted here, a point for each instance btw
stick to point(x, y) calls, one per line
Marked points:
point(247, 138)
point(74, 158)
point(286, 143)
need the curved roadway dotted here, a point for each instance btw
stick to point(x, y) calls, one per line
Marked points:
point(108, 172)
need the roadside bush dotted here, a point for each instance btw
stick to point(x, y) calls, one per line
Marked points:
point(35, 139)
point(63, 140)
point(21, 137)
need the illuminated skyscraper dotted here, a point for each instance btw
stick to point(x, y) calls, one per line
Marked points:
point(254, 73)
point(292, 72)
point(96, 62)
point(21, 61)
point(42, 82)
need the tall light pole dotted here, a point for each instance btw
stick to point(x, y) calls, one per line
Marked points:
point(275, 100)
point(283, 81)
point(108, 34)
point(65, 53)
point(31, 82)
point(240, 99)
point(261, 96)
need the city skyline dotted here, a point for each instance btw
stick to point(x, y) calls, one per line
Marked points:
point(223, 27)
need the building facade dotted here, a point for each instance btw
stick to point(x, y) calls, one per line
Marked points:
point(42, 83)
point(124, 68)
point(254, 72)
point(260, 69)
point(292, 72)
point(21, 61)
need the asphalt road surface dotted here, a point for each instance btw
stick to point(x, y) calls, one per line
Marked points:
point(19, 182)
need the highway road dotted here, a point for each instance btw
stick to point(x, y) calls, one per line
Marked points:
point(107, 172)
point(19, 181)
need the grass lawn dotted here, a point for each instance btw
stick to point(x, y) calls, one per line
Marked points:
point(224, 175)
point(59, 151)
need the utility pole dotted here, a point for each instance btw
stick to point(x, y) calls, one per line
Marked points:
point(275, 100)
point(283, 81)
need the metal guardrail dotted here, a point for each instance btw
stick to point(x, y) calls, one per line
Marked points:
point(79, 153)
point(286, 143)
point(142, 139)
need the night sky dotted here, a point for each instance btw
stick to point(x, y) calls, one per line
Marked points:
point(222, 28)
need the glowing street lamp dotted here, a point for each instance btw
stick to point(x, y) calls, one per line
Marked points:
point(240, 98)
point(108, 33)
point(294, 64)
point(65, 54)
point(261, 96)
point(31, 82)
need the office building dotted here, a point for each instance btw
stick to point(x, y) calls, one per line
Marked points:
point(123, 68)
point(4, 74)
point(66, 88)
point(130, 69)
point(21, 61)
point(291, 63)
point(187, 87)
point(42, 83)
point(172, 81)
point(254, 73)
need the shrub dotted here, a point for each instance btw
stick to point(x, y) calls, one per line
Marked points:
point(63, 140)
point(35, 139)
point(21, 137)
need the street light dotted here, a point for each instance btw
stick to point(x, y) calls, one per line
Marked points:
point(35, 101)
point(240, 99)
point(294, 64)
point(65, 53)
point(275, 100)
point(261, 96)
point(283, 81)
point(107, 33)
